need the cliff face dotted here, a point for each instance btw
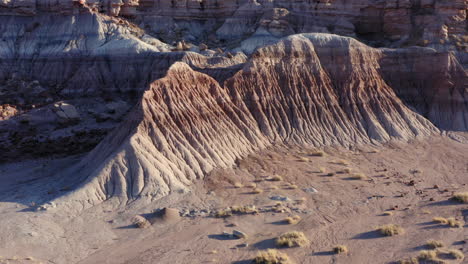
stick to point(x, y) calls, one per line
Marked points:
point(315, 89)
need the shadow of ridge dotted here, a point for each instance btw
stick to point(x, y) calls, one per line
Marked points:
point(369, 235)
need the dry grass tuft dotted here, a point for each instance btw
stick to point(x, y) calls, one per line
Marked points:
point(246, 209)
point(440, 220)
point(292, 239)
point(340, 249)
point(223, 213)
point(461, 197)
point(251, 185)
point(322, 170)
point(276, 178)
point(292, 220)
point(271, 256)
point(301, 200)
point(238, 185)
point(141, 222)
point(346, 170)
point(359, 176)
point(274, 187)
point(257, 191)
point(391, 230)
point(409, 261)
point(304, 159)
point(388, 213)
point(428, 255)
point(451, 221)
point(317, 153)
point(433, 244)
point(292, 186)
point(456, 254)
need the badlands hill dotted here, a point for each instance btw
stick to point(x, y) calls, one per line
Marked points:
point(219, 125)
point(309, 89)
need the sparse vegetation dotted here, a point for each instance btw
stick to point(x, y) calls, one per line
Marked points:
point(388, 213)
point(276, 178)
point(238, 185)
point(271, 256)
point(226, 212)
point(433, 244)
point(292, 186)
point(317, 153)
point(358, 176)
point(322, 170)
point(391, 230)
point(257, 191)
point(251, 185)
point(428, 255)
point(346, 170)
point(141, 222)
point(292, 220)
point(340, 249)
point(301, 200)
point(456, 254)
point(440, 220)
point(451, 221)
point(461, 197)
point(304, 159)
point(409, 261)
point(292, 239)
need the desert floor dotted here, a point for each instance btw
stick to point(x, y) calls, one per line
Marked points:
point(341, 198)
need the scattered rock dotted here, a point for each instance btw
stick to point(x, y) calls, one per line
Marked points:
point(280, 198)
point(310, 190)
point(239, 234)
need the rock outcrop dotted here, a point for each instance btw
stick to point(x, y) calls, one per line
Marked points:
point(312, 89)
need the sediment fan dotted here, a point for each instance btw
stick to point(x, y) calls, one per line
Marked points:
point(311, 89)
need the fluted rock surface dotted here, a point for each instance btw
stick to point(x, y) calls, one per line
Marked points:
point(315, 89)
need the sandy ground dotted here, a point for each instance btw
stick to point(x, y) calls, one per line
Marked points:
point(413, 180)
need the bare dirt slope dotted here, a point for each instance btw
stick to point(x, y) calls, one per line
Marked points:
point(412, 180)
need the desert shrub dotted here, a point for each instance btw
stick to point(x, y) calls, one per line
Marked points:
point(358, 176)
point(257, 191)
point(318, 153)
point(433, 244)
point(461, 197)
point(271, 256)
point(238, 185)
point(292, 220)
point(141, 222)
point(251, 185)
point(340, 249)
point(292, 239)
point(456, 254)
point(277, 178)
point(428, 255)
point(440, 220)
point(391, 230)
